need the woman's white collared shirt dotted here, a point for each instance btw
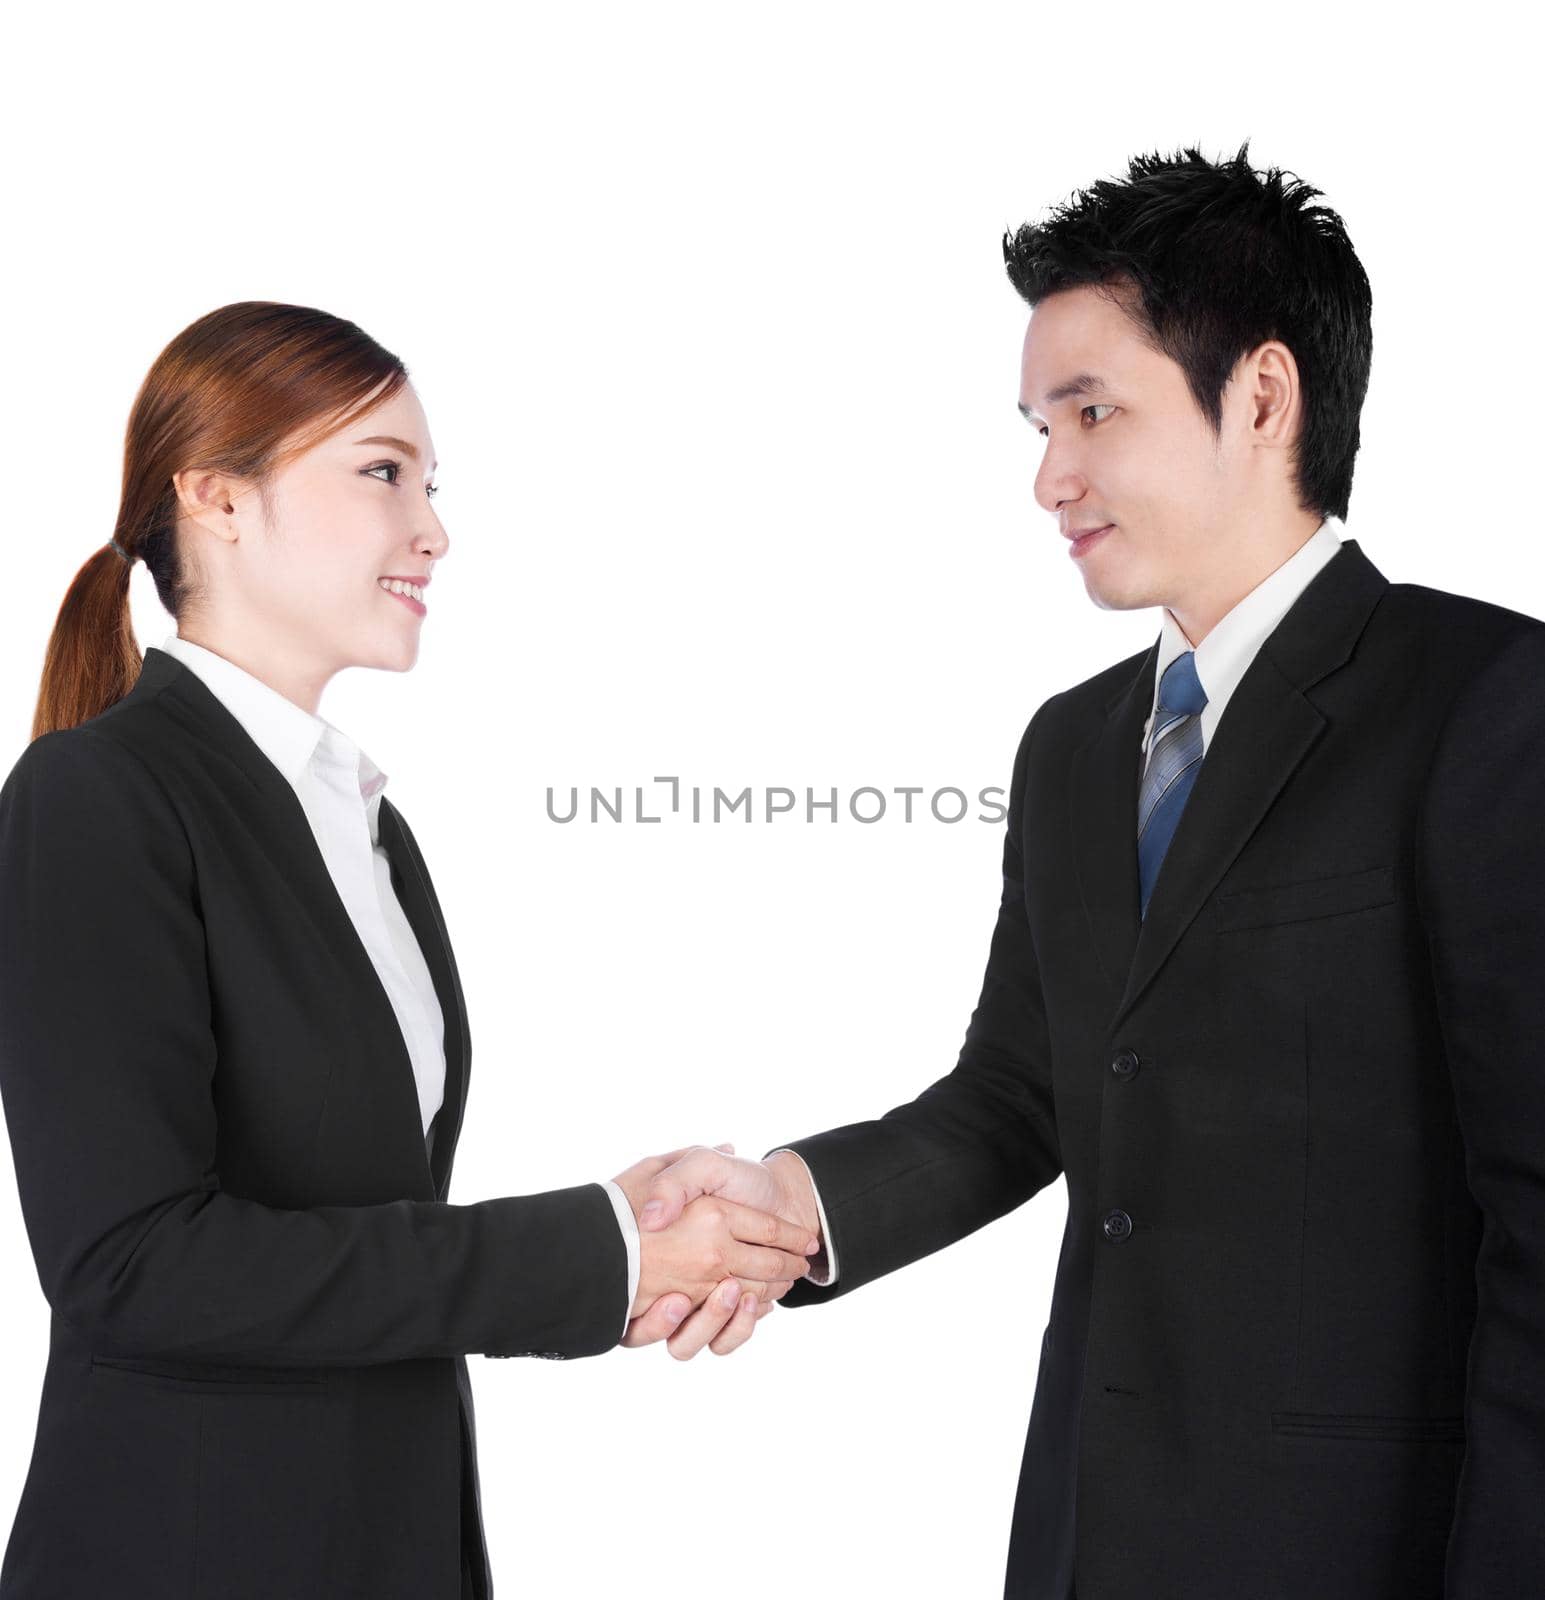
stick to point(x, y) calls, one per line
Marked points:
point(339, 788)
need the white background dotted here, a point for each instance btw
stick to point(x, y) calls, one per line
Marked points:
point(707, 309)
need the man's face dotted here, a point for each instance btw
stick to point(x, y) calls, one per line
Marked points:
point(1128, 448)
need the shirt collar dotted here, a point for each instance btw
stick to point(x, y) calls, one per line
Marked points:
point(1224, 655)
point(289, 735)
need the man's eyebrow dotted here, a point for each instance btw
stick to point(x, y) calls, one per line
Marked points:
point(396, 444)
point(1079, 383)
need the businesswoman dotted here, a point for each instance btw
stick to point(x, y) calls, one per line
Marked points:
point(233, 1050)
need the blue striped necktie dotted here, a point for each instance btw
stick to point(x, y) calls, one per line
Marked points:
point(1174, 759)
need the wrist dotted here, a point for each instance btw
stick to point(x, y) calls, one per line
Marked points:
point(797, 1190)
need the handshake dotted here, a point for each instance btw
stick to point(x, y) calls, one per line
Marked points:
point(720, 1239)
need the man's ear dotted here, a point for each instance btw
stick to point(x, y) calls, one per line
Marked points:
point(1275, 395)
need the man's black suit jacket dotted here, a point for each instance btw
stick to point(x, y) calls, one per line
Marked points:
point(261, 1298)
point(1297, 1338)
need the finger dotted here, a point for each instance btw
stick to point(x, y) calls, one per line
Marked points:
point(756, 1261)
point(680, 1184)
point(651, 1166)
point(706, 1322)
point(771, 1292)
point(738, 1329)
point(763, 1307)
point(643, 1170)
point(763, 1288)
point(767, 1227)
point(658, 1320)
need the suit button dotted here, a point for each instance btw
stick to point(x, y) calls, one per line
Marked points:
point(1125, 1065)
point(1117, 1225)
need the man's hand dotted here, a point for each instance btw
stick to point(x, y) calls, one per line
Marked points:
point(686, 1257)
point(781, 1185)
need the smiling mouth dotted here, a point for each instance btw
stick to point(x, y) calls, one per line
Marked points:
point(401, 594)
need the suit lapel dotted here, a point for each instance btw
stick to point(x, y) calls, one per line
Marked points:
point(288, 838)
point(1266, 730)
point(410, 879)
point(1102, 802)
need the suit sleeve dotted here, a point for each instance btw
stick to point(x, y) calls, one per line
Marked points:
point(108, 1054)
point(972, 1146)
point(1481, 883)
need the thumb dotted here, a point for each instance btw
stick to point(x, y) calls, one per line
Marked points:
point(678, 1186)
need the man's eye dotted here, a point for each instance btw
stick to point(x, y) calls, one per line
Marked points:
point(1100, 407)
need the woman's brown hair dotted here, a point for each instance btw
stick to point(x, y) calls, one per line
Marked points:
point(243, 390)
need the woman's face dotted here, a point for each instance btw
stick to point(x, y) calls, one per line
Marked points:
point(299, 596)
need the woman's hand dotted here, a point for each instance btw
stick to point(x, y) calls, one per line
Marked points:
point(715, 1238)
point(723, 1233)
point(724, 1321)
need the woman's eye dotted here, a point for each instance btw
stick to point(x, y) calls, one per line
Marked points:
point(395, 468)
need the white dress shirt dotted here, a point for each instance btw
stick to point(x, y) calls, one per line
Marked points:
point(1221, 660)
point(1229, 647)
point(339, 788)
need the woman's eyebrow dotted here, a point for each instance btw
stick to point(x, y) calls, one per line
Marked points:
point(397, 444)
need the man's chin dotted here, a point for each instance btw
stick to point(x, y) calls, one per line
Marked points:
point(1110, 595)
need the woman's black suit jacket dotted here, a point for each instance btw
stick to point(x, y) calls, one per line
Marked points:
point(262, 1299)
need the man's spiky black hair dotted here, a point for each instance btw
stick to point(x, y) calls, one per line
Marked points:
point(1210, 260)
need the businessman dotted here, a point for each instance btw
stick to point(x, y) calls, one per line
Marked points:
point(1264, 982)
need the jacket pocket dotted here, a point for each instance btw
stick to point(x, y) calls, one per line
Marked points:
point(207, 1379)
point(1304, 899)
point(1333, 1425)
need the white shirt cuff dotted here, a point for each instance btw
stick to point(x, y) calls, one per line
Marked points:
point(629, 1225)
